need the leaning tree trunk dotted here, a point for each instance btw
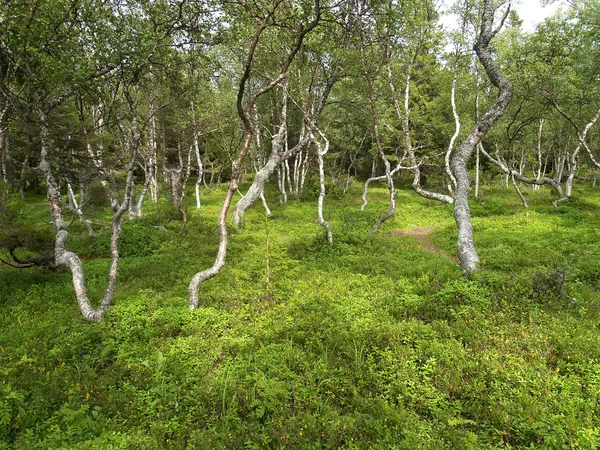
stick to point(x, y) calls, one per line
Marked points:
point(467, 254)
point(513, 173)
point(281, 154)
point(244, 114)
point(275, 159)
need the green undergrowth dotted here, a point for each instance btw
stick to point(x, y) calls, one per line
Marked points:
point(374, 342)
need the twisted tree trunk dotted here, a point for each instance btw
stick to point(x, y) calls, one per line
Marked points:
point(467, 254)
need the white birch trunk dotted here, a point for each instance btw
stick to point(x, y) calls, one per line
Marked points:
point(236, 166)
point(539, 153)
point(64, 257)
point(452, 183)
point(477, 171)
point(77, 210)
point(321, 151)
point(198, 158)
point(467, 253)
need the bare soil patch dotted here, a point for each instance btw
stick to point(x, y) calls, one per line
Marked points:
point(423, 237)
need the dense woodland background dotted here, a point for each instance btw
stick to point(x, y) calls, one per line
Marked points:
point(331, 155)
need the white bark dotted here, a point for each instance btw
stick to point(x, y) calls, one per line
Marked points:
point(404, 117)
point(198, 158)
point(281, 153)
point(467, 253)
point(477, 171)
point(513, 173)
point(69, 259)
point(244, 114)
point(370, 79)
point(452, 184)
point(321, 151)
point(77, 210)
point(152, 173)
point(276, 157)
point(539, 152)
point(97, 159)
point(512, 179)
point(5, 161)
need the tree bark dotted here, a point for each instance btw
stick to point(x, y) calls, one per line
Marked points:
point(69, 259)
point(77, 210)
point(276, 157)
point(467, 254)
point(244, 114)
point(321, 151)
point(404, 118)
point(280, 154)
point(370, 79)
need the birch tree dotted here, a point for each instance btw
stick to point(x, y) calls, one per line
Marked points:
point(467, 254)
point(262, 18)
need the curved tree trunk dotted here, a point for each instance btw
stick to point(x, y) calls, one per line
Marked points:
point(467, 254)
point(64, 257)
point(513, 173)
point(277, 153)
point(404, 118)
point(244, 114)
point(320, 153)
point(280, 154)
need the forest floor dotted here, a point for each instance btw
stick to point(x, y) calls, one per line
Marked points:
point(423, 237)
point(374, 342)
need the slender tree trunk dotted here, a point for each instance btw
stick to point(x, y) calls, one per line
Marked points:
point(467, 253)
point(5, 161)
point(287, 174)
point(198, 158)
point(321, 151)
point(532, 181)
point(477, 171)
point(277, 151)
point(280, 154)
point(375, 116)
point(97, 160)
point(452, 183)
point(140, 202)
point(64, 257)
point(77, 210)
point(236, 166)
point(512, 179)
point(539, 152)
point(404, 117)
point(23, 177)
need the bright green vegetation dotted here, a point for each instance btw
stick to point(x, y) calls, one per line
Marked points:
point(373, 342)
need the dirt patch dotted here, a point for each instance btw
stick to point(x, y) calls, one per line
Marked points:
point(423, 237)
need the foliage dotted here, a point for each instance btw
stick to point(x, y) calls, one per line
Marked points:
point(372, 342)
